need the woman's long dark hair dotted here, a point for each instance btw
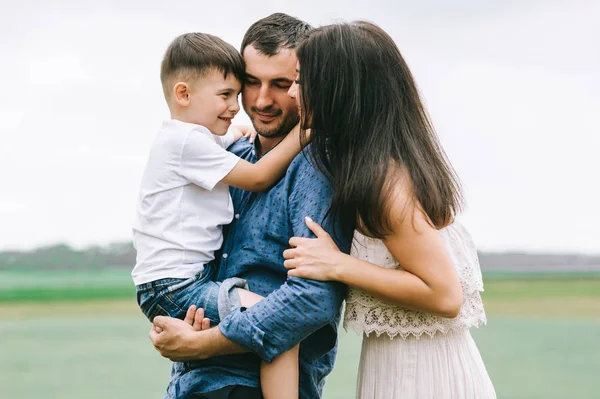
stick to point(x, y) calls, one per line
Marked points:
point(367, 123)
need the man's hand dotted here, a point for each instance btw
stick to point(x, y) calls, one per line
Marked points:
point(178, 339)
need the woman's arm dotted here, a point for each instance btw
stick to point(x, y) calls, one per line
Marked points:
point(428, 282)
point(269, 169)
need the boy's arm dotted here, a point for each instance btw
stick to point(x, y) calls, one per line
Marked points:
point(205, 163)
point(260, 176)
point(233, 135)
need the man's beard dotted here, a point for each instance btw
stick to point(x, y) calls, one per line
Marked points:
point(281, 130)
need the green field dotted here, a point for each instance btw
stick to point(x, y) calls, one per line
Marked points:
point(542, 339)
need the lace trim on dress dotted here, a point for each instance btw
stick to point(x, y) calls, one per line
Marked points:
point(366, 314)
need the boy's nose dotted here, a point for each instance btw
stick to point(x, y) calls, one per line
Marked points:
point(235, 107)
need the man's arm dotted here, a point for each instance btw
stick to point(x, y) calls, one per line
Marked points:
point(191, 338)
point(268, 328)
point(285, 317)
point(299, 307)
point(282, 320)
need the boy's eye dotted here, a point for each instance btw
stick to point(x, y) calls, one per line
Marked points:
point(226, 94)
point(284, 86)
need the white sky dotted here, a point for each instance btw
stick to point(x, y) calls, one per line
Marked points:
point(512, 87)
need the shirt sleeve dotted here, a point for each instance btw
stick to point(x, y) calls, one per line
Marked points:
point(203, 161)
point(227, 140)
point(300, 307)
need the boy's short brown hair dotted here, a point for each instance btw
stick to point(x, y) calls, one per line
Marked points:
point(191, 55)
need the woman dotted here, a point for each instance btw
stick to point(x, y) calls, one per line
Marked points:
point(371, 135)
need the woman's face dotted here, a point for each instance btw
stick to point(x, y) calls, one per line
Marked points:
point(295, 91)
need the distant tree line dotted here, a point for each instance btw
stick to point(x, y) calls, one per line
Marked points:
point(62, 256)
point(122, 254)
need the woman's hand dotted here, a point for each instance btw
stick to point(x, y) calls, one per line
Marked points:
point(313, 258)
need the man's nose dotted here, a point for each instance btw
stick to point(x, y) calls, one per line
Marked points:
point(264, 99)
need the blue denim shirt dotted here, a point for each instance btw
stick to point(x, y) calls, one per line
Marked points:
point(294, 310)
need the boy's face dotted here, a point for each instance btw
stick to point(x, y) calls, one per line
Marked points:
point(214, 101)
point(266, 101)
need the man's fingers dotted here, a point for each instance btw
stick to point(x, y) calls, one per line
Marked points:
point(189, 316)
point(205, 323)
point(315, 227)
point(153, 336)
point(198, 318)
point(160, 322)
point(157, 329)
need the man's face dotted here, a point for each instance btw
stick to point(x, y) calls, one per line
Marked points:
point(265, 94)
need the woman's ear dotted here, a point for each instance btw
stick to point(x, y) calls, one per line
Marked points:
point(181, 93)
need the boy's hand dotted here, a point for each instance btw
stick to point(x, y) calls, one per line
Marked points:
point(240, 131)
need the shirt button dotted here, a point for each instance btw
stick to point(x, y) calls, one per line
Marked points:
point(225, 256)
point(237, 216)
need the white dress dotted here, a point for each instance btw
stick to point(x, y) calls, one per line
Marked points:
point(414, 355)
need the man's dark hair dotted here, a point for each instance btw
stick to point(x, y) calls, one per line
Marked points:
point(272, 33)
point(191, 55)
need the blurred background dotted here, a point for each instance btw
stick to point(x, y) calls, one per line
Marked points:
point(512, 88)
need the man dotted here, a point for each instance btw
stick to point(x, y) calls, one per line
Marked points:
point(294, 310)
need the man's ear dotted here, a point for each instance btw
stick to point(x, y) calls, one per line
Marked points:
point(181, 93)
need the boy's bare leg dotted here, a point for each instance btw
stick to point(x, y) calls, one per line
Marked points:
point(278, 379)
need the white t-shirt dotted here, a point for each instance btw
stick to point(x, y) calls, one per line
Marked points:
point(182, 206)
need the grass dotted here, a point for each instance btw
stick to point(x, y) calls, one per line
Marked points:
point(115, 283)
point(65, 285)
point(541, 340)
point(99, 349)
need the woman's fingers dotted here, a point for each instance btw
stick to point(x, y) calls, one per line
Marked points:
point(293, 273)
point(297, 241)
point(301, 272)
point(315, 228)
point(292, 253)
point(291, 263)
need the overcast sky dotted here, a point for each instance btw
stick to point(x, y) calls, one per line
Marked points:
point(512, 87)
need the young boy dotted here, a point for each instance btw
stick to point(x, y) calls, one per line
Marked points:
point(184, 197)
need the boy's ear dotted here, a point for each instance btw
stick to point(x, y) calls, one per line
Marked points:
point(181, 93)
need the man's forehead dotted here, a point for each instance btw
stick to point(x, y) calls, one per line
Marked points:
point(281, 65)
